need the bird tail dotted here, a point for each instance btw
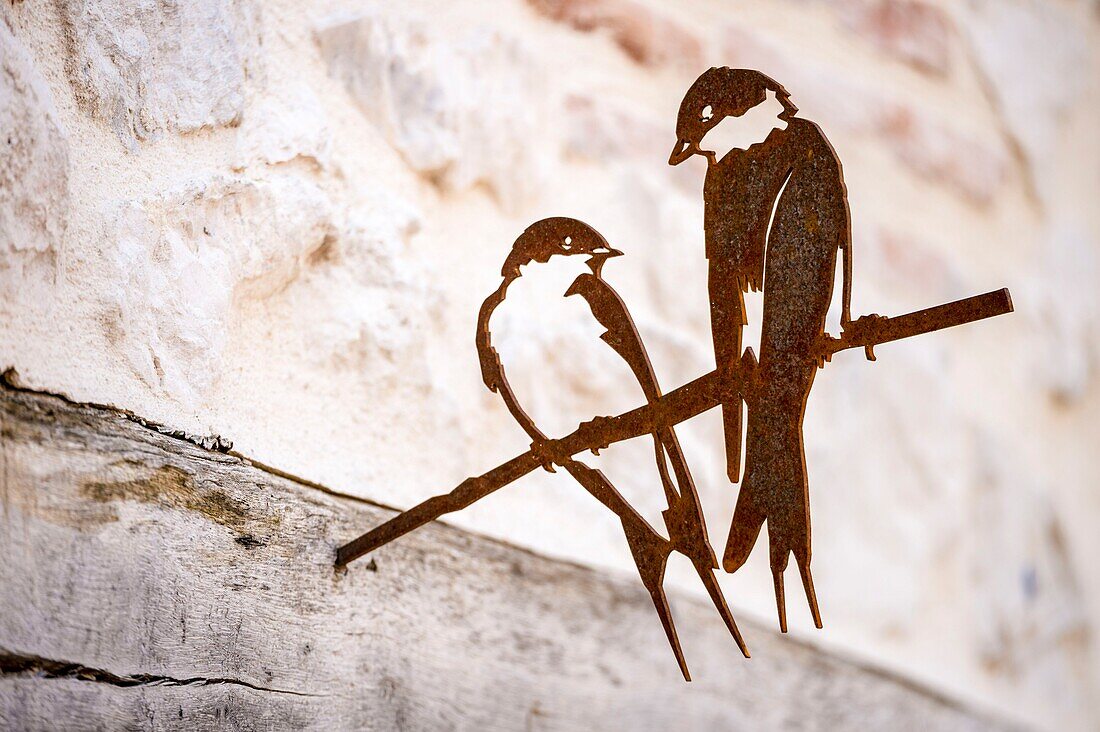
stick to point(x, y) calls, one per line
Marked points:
point(807, 584)
point(706, 574)
point(660, 602)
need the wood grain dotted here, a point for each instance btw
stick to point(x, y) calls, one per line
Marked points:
point(149, 583)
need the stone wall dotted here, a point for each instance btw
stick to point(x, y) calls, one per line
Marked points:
point(273, 222)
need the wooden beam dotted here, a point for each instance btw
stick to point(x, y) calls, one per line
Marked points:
point(149, 582)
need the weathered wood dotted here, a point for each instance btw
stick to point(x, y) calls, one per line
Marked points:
point(151, 583)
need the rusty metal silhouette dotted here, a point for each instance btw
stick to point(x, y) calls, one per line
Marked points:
point(776, 210)
point(776, 216)
point(684, 517)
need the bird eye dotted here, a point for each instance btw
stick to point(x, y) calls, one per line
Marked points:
point(568, 242)
point(707, 114)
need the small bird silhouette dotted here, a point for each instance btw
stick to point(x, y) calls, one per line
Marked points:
point(683, 518)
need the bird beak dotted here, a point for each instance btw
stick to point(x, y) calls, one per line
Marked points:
point(598, 257)
point(605, 252)
point(683, 150)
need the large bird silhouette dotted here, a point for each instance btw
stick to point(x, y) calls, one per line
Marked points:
point(683, 518)
point(775, 216)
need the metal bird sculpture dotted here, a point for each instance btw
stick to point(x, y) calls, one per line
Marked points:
point(776, 217)
point(565, 237)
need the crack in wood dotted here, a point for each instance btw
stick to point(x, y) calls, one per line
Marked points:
point(25, 664)
point(9, 379)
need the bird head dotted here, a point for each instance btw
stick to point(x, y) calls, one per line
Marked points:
point(717, 94)
point(558, 235)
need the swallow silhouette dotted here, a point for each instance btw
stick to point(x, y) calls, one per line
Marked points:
point(683, 518)
point(776, 216)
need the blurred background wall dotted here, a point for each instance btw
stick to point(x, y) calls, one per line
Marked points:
point(275, 222)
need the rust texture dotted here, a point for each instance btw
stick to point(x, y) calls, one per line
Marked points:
point(776, 219)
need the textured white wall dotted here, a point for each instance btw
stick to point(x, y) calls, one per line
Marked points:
point(275, 222)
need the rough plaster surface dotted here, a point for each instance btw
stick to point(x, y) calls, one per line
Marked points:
point(275, 222)
point(34, 169)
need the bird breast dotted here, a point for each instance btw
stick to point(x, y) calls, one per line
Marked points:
point(562, 373)
point(741, 133)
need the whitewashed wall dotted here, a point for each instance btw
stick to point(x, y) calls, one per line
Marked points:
point(275, 221)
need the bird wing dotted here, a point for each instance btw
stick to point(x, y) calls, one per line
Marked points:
point(727, 320)
point(622, 335)
point(739, 197)
point(684, 516)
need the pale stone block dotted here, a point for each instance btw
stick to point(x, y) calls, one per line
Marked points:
point(156, 66)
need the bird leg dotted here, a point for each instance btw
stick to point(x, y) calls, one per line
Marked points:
point(549, 453)
point(597, 432)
